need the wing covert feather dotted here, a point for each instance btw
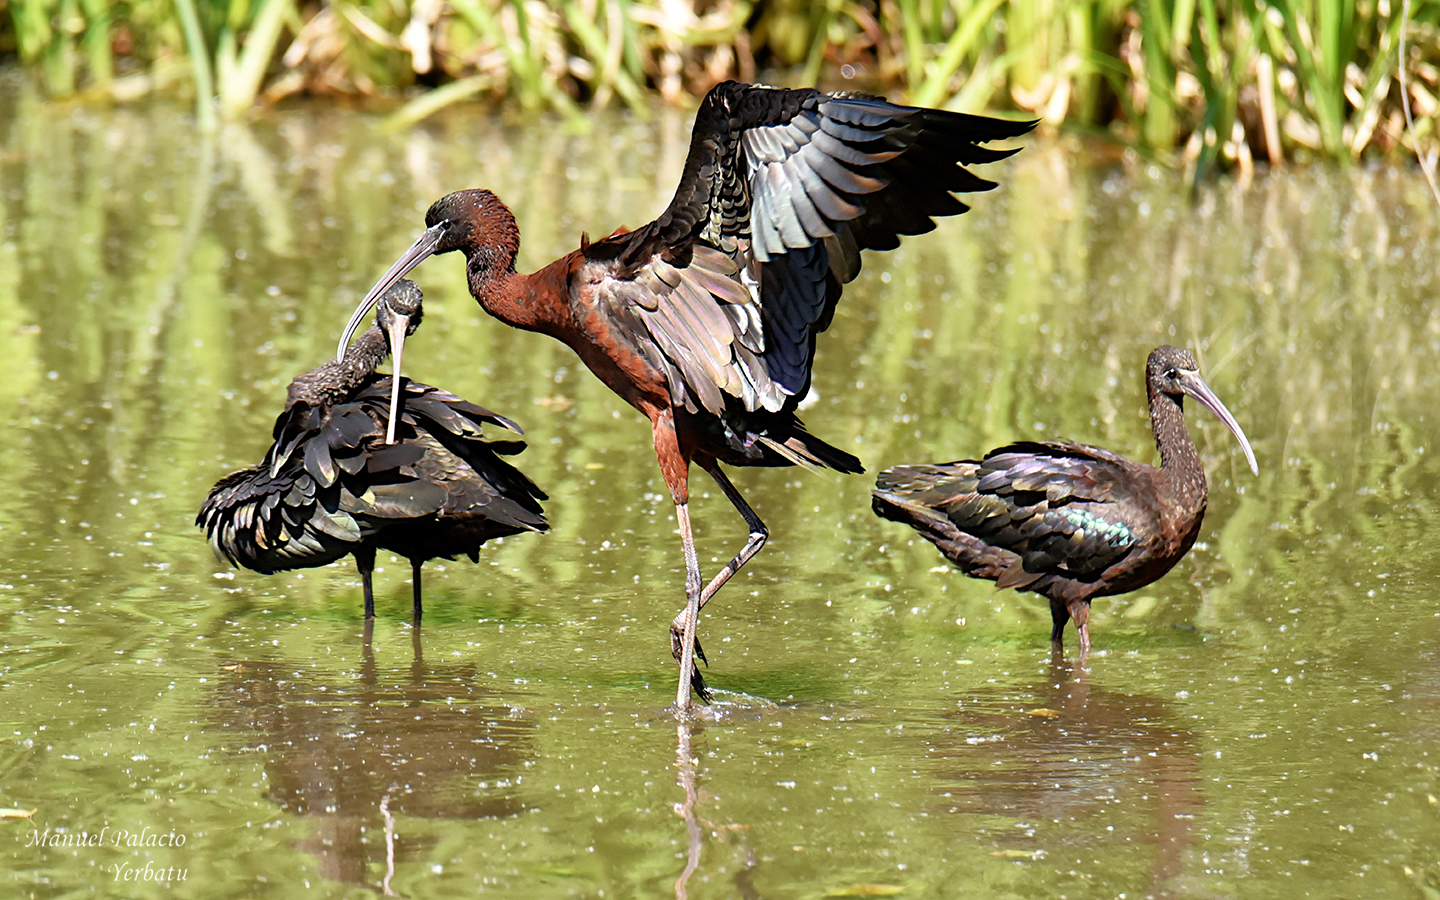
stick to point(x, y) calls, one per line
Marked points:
point(1056, 506)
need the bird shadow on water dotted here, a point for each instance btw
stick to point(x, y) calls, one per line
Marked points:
point(1074, 764)
point(349, 755)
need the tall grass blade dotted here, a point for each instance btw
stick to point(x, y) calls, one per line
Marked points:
point(96, 43)
point(200, 65)
point(1320, 83)
point(815, 56)
point(1269, 118)
point(431, 102)
point(965, 38)
point(1427, 160)
point(241, 84)
point(610, 75)
point(914, 41)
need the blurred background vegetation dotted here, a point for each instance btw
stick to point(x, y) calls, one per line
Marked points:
point(1198, 82)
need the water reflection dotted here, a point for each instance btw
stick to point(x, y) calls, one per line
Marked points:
point(350, 754)
point(685, 765)
point(687, 768)
point(1053, 761)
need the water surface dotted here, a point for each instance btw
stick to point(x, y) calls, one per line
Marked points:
point(1260, 723)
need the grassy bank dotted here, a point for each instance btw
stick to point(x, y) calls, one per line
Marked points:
point(1204, 81)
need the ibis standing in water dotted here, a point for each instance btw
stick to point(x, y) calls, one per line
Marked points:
point(363, 460)
point(705, 320)
point(1069, 521)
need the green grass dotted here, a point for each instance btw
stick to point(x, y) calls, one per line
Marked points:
point(1198, 83)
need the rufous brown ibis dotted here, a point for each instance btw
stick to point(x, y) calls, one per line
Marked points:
point(705, 320)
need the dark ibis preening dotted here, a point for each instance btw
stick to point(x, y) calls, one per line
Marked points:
point(1069, 521)
point(345, 475)
point(705, 319)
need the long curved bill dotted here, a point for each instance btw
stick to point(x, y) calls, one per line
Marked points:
point(419, 251)
point(1196, 387)
point(398, 326)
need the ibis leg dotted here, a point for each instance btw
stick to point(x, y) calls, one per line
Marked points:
point(365, 562)
point(1080, 612)
point(1059, 615)
point(415, 565)
point(688, 620)
point(758, 535)
point(675, 468)
point(758, 532)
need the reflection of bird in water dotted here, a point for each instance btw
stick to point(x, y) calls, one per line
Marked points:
point(348, 755)
point(696, 827)
point(1056, 755)
point(706, 319)
point(345, 476)
point(1069, 521)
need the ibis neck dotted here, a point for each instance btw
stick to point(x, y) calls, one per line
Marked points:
point(1183, 475)
point(504, 293)
point(331, 382)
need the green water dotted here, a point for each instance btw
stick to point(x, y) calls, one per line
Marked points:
point(1262, 722)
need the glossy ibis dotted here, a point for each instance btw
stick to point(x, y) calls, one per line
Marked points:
point(1069, 521)
point(332, 484)
point(705, 319)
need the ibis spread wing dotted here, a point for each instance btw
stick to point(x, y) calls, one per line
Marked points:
point(789, 187)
